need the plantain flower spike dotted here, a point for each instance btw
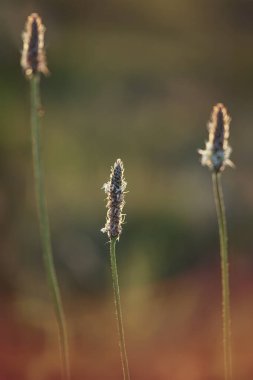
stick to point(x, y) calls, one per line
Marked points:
point(33, 58)
point(115, 190)
point(217, 153)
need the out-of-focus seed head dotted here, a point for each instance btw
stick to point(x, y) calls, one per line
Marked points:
point(33, 58)
point(217, 153)
point(115, 190)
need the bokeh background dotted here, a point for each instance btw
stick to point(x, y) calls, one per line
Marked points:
point(135, 80)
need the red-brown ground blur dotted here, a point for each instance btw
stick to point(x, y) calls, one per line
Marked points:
point(173, 331)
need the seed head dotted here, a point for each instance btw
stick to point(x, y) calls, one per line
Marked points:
point(115, 190)
point(33, 58)
point(217, 152)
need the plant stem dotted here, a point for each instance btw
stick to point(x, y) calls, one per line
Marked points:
point(36, 114)
point(115, 281)
point(226, 318)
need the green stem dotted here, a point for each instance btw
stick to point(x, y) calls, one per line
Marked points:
point(44, 222)
point(220, 209)
point(115, 282)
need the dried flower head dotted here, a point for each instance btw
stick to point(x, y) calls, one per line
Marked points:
point(33, 58)
point(115, 190)
point(217, 152)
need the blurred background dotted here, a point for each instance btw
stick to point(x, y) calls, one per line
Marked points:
point(135, 80)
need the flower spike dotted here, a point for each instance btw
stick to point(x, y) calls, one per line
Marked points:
point(33, 58)
point(217, 153)
point(115, 190)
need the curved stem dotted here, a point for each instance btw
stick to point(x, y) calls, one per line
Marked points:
point(115, 282)
point(44, 222)
point(226, 318)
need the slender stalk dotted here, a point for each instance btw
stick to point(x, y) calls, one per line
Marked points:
point(44, 222)
point(226, 318)
point(115, 281)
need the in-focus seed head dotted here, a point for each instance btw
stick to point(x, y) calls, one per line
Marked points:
point(33, 58)
point(115, 190)
point(217, 153)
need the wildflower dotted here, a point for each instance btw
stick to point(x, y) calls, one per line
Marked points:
point(217, 153)
point(33, 58)
point(115, 190)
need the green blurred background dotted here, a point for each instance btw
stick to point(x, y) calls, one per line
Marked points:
point(135, 80)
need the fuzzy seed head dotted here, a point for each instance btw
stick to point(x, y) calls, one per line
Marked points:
point(33, 58)
point(217, 153)
point(115, 190)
